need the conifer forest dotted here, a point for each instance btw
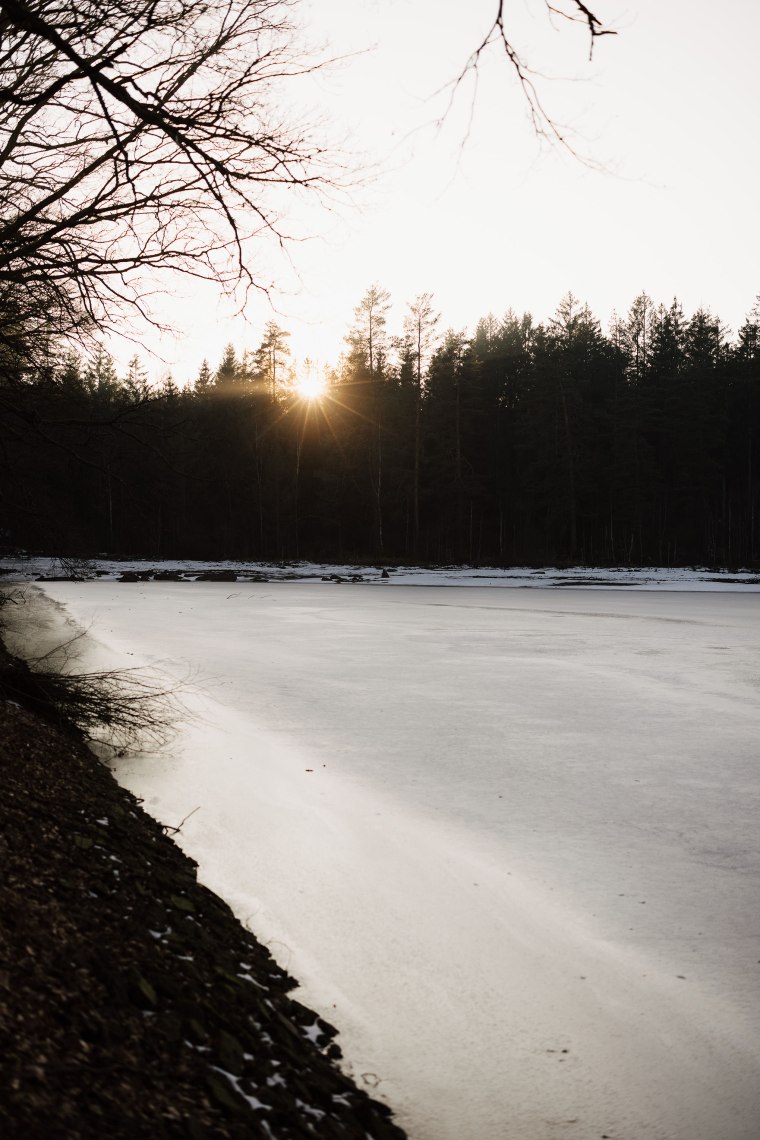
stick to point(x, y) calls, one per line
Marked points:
point(520, 443)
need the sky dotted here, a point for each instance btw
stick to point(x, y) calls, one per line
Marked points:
point(465, 202)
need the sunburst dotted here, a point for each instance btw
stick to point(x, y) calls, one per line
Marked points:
point(311, 386)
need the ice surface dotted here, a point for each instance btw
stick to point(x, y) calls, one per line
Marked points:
point(507, 839)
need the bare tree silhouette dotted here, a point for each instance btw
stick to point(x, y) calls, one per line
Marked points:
point(543, 123)
point(138, 136)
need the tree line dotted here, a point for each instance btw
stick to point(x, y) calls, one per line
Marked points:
point(522, 442)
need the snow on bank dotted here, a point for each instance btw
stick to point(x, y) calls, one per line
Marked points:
point(507, 839)
point(24, 568)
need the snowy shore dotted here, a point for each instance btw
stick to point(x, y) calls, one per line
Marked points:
point(132, 1003)
point(28, 568)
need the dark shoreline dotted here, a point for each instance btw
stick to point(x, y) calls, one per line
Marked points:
point(132, 1001)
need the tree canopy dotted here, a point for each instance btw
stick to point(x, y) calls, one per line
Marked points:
point(139, 137)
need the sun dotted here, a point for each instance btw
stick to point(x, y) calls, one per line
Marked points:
point(311, 386)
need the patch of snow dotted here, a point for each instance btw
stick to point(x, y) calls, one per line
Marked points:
point(253, 1101)
point(252, 980)
point(312, 1032)
point(309, 1110)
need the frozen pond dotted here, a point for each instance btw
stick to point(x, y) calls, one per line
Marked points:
point(508, 839)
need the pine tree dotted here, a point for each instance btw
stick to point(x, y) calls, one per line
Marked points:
point(136, 380)
point(204, 378)
point(369, 343)
point(270, 358)
point(419, 327)
point(743, 540)
point(227, 374)
point(446, 409)
point(100, 372)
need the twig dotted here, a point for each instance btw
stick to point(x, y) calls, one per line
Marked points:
point(169, 830)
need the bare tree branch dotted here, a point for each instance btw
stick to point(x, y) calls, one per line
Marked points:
point(544, 125)
point(140, 136)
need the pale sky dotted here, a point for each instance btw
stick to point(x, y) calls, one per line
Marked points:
point(489, 218)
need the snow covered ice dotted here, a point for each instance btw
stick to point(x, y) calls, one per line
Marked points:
point(507, 839)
